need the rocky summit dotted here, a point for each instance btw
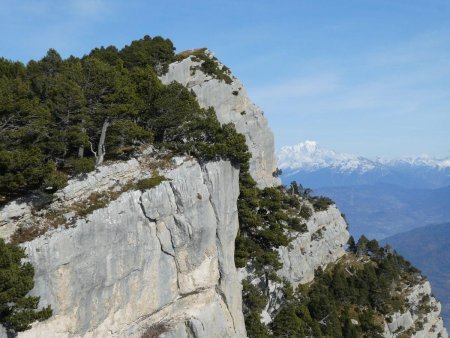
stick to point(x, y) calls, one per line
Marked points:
point(148, 246)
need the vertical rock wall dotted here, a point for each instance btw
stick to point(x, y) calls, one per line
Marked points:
point(323, 243)
point(154, 262)
point(231, 104)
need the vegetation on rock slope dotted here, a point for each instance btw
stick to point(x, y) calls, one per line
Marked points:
point(352, 298)
point(61, 117)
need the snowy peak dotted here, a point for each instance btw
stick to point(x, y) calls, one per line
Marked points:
point(423, 161)
point(310, 156)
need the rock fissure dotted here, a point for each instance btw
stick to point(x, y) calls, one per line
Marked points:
point(224, 300)
point(141, 204)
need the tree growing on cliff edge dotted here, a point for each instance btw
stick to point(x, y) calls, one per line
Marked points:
point(17, 310)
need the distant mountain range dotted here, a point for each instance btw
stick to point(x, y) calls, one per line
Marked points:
point(314, 166)
point(379, 197)
point(391, 200)
point(381, 210)
point(428, 248)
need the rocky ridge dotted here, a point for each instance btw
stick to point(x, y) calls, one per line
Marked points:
point(160, 262)
point(232, 104)
point(422, 317)
point(323, 243)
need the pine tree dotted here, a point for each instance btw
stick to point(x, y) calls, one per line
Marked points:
point(17, 310)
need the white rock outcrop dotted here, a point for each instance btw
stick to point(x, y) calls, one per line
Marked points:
point(154, 262)
point(323, 243)
point(232, 104)
point(17, 214)
point(422, 317)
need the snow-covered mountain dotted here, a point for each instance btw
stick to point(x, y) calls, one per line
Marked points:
point(310, 156)
point(315, 167)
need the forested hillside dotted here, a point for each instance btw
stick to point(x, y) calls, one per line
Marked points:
point(62, 117)
point(428, 248)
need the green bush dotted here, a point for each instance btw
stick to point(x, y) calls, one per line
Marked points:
point(210, 66)
point(321, 203)
point(149, 183)
point(305, 212)
point(55, 180)
point(297, 225)
point(254, 302)
point(80, 165)
point(17, 310)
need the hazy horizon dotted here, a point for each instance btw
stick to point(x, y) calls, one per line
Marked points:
point(362, 154)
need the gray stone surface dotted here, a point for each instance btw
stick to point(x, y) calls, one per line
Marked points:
point(103, 178)
point(108, 177)
point(323, 243)
point(231, 104)
point(11, 215)
point(307, 252)
point(159, 258)
point(419, 324)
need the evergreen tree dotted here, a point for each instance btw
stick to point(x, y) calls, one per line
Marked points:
point(17, 310)
point(352, 245)
point(287, 324)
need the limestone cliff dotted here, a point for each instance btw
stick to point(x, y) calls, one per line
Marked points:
point(160, 261)
point(323, 243)
point(420, 319)
point(232, 104)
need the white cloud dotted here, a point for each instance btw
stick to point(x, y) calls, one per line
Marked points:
point(405, 78)
point(425, 47)
point(88, 8)
point(311, 86)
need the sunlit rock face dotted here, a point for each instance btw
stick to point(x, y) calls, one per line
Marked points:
point(323, 243)
point(155, 261)
point(160, 262)
point(232, 104)
point(421, 318)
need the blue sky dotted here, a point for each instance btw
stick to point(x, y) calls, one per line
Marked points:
point(370, 77)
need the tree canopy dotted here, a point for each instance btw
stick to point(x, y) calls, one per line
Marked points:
point(61, 117)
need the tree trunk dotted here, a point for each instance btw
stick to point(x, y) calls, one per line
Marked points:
point(80, 151)
point(101, 143)
point(81, 148)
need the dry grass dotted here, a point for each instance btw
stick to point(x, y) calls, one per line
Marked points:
point(155, 331)
point(26, 234)
point(184, 54)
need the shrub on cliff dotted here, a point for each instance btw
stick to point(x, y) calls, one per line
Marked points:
point(17, 310)
point(365, 292)
point(321, 203)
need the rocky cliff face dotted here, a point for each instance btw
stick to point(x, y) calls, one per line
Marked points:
point(231, 104)
point(160, 262)
point(154, 262)
point(323, 243)
point(421, 318)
